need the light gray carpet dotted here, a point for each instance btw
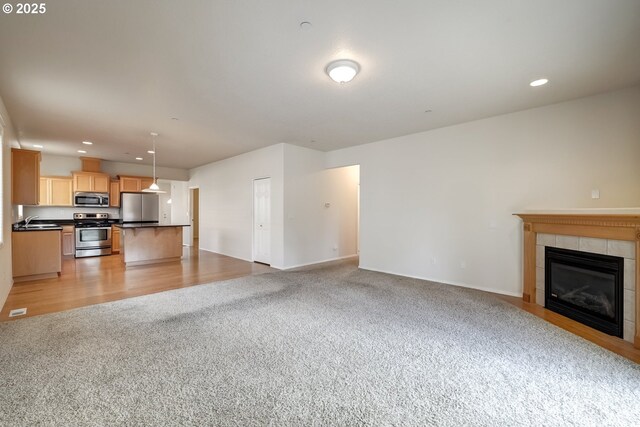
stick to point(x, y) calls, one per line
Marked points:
point(329, 346)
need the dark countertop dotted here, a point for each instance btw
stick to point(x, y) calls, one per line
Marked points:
point(19, 226)
point(22, 228)
point(148, 225)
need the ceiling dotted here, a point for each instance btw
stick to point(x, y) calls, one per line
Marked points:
point(240, 75)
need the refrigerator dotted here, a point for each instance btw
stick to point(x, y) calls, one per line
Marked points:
point(139, 207)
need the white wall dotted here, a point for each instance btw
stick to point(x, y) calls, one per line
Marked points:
point(63, 166)
point(226, 202)
point(163, 198)
point(180, 207)
point(137, 169)
point(65, 212)
point(8, 139)
point(312, 232)
point(439, 204)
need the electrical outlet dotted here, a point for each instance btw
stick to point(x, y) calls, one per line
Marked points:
point(335, 247)
point(434, 260)
point(463, 264)
point(595, 194)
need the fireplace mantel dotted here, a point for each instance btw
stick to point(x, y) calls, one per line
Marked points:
point(615, 224)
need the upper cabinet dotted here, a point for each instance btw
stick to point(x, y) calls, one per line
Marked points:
point(56, 191)
point(134, 184)
point(25, 177)
point(91, 181)
point(114, 194)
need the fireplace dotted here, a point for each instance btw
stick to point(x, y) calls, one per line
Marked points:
point(586, 287)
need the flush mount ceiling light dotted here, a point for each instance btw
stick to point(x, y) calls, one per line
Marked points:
point(82, 152)
point(539, 82)
point(153, 188)
point(38, 146)
point(343, 70)
point(139, 158)
point(87, 142)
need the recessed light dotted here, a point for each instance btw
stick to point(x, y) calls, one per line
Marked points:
point(37, 146)
point(138, 158)
point(428, 111)
point(306, 25)
point(87, 142)
point(174, 118)
point(82, 151)
point(539, 82)
point(151, 152)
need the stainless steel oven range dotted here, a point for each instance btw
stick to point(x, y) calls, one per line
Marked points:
point(93, 234)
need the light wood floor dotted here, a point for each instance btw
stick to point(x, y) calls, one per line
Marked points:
point(88, 281)
point(616, 345)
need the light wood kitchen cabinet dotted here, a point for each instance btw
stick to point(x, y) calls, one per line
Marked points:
point(115, 240)
point(145, 183)
point(114, 194)
point(68, 240)
point(91, 181)
point(25, 177)
point(36, 254)
point(134, 184)
point(56, 191)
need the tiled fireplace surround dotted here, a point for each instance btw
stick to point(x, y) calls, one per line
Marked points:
point(610, 233)
point(620, 248)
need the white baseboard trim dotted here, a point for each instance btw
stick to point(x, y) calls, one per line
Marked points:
point(222, 253)
point(459, 284)
point(290, 267)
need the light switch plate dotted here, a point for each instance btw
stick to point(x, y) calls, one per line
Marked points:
point(595, 194)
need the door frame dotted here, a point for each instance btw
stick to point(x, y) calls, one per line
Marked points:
point(190, 215)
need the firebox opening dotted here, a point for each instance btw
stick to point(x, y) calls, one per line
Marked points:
point(586, 287)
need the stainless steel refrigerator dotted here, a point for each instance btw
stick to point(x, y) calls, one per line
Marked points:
point(139, 207)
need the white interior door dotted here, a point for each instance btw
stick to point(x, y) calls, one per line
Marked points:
point(262, 220)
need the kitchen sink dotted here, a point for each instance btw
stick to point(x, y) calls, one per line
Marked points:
point(38, 226)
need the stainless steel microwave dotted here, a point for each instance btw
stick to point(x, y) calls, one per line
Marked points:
point(91, 200)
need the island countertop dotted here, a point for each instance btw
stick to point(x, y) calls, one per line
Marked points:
point(148, 225)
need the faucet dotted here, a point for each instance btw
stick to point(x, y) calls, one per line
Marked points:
point(29, 219)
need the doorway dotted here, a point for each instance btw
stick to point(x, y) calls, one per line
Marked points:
point(194, 210)
point(262, 220)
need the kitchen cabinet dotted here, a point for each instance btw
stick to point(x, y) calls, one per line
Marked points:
point(36, 254)
point(114, 194)
point(134, 184)
point(91, 181)
point(143, 244)
point(25, 177)
point(56, 191)
point(115, 240)
point(68, 240)
point(145, 183)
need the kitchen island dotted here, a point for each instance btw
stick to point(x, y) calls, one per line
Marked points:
point(150, 243)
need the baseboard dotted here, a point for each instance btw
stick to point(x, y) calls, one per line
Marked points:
point(278, 267)
point(290, 267)
point(458, 284)
point(225, 254)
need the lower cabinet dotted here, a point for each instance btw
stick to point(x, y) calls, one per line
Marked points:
point(115, 240)
point(36, 254)
point(68, 240)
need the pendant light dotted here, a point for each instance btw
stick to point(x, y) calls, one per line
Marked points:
point(153, 188)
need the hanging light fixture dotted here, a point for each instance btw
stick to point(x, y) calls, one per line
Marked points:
point(153, 188)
